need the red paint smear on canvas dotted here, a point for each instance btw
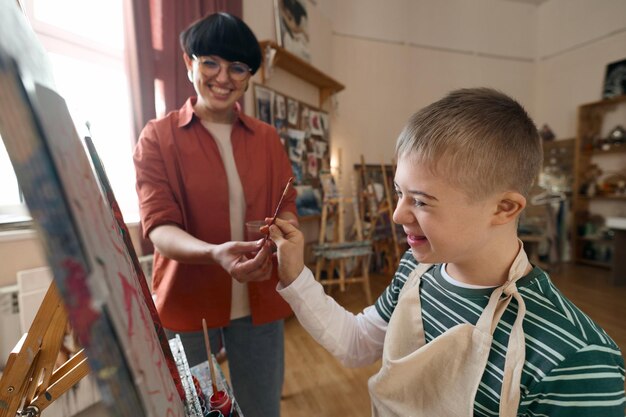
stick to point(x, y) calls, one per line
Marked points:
point(82, 315)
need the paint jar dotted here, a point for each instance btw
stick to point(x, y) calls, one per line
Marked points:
point(214, 413)
point(221, 401)
point(253, 231)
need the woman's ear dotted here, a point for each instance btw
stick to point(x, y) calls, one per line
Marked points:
point(509, 207)
point(188, 61)
point(189, 65)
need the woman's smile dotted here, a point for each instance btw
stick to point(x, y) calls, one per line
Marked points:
point(220, 92)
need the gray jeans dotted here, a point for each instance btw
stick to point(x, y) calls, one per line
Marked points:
point(256, 361)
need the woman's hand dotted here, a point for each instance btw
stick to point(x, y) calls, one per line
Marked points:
point(245, 261)
point(290, 243)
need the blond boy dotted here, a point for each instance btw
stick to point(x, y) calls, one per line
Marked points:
point(467, 326)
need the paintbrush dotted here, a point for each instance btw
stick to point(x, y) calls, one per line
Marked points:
point(208, 353)
point(280, 203)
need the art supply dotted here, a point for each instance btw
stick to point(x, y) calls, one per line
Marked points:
point(280, 203)
point(193, 408)
point(219, 400)
point(253, 230)
point(209, 356)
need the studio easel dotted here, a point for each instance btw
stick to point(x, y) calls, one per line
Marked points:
point(378, 215)
point(336, 253)
point(30, 383)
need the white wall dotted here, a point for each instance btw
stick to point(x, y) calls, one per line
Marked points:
point(397, 56)
point(576, 39)
point(21, 250)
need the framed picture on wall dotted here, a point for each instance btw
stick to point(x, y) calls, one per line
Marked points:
point(292, 27)
point(264, 98)
point(615, 79)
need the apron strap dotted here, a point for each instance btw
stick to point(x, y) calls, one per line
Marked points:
point(497, 305)
point(516, 347)
point(514, 363)
point(414, 278)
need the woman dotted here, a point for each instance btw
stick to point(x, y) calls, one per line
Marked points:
point(202, 172)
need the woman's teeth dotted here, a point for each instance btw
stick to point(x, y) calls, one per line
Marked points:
point(219, 90)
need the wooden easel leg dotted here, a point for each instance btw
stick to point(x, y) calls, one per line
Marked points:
point(330, 274)
point(319, 264)
point(342, 275)
point(365, 261)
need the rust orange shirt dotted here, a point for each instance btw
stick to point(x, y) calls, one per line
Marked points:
point(181, 180)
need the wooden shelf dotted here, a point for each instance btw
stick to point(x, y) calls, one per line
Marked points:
point(607, 102)
point(297, 66)
point(595, 239)
point(590, 123)
point(604, 197)
point(613, 150)
point(590, 262)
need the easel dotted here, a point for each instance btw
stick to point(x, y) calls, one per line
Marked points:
point(84, 249)
point(30, 383)
point(339, 251)
point(378, 214)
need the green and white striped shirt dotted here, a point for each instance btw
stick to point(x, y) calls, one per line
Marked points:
point(572, 368)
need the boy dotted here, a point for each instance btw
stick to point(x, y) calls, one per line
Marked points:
point(467, 326)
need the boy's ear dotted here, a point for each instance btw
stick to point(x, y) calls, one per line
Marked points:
point(509, 207)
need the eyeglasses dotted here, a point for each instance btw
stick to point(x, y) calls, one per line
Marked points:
point(210, 66)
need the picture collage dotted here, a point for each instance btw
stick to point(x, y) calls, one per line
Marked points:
point(305, 132)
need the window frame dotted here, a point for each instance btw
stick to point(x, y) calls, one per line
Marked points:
point(55, 40)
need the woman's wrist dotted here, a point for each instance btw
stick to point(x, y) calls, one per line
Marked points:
point(210, 253)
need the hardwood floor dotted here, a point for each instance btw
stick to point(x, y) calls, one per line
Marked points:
point(588, 287)
point(316, 384)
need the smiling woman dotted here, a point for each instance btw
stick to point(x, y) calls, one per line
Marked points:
point(86, 51)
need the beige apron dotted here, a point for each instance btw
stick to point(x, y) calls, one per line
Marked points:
point(440, 379)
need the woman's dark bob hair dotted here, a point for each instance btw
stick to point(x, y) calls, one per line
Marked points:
point(224, 35)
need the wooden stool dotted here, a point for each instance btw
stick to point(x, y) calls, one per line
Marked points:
point(330, 255)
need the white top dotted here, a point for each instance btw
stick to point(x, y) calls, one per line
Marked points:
point(456, 283)
point(240, 304)
point(355, 340)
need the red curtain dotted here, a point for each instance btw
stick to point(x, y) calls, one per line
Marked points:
point(157, 73)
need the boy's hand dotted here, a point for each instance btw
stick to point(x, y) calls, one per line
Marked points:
point(290, 243)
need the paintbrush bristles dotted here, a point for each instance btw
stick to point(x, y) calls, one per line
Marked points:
point(278, 206)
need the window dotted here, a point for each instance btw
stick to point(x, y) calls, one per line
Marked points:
point(85, 44)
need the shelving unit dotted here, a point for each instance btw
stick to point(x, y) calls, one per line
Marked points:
point(300, 68)
point(586, 245)
point(547, 246)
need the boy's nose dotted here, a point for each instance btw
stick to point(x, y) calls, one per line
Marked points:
point(401, 214)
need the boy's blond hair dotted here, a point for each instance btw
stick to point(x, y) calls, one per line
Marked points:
point(482, 141)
